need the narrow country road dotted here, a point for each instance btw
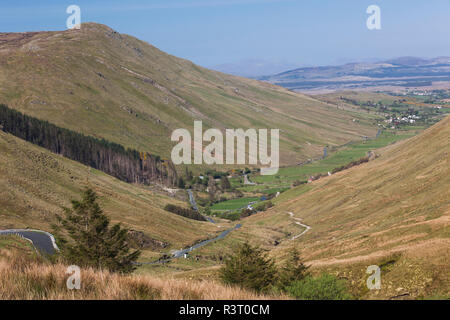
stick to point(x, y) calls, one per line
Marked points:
point(192, 200)
point(180, 253)
point(297, 221)
point(41, 240)
point(194, 205)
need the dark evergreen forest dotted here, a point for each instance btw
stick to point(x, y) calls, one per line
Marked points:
point(125, 164)
point(184, 212)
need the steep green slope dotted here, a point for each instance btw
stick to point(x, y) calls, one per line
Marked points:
point(110, 85)
point(35, 184)
point(394, 206)
point(393, 211)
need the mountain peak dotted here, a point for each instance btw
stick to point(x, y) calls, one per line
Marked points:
point(96, 27)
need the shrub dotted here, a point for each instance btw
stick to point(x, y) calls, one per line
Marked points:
point(203, 202)
point(247, 212)
point(225, 183)
point(296, 183)
point(292, 271)
point(238, 193)
point(249, 268)
point(325, 287)
point(181, 183)
point(264, 206)
point(351, 164)
point(232, 216)
point(187, 213)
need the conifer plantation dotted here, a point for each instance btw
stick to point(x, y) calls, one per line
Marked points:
point(125, 164)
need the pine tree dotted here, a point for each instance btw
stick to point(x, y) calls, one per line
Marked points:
point(225, 183)
point(293, 270)
point(181, 183)
point(211, 188)
point(93, 243)
point(125, 164)
point(250, 268)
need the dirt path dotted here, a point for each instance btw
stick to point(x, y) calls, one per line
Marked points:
point(297, 221)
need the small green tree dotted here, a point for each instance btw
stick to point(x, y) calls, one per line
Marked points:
point(92, 242)
point(211, 188)
point(293, 270)
point(189, 175)
point(225, 183)
point(249, 268)
point(181, 183)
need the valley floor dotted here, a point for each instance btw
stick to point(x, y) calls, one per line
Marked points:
point(393, 212)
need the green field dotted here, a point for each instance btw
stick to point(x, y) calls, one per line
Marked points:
point(352, 152)
point(233, 204)
point(284, 179)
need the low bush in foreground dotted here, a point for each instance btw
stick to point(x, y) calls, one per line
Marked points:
point(249, 268)
point(23, 276)
point(252, 269)
point(324, 287)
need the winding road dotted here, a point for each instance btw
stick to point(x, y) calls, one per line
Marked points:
point(43, 241)
point(297, 221)
point(179, 253)
point(194, 205)
point(192, 200)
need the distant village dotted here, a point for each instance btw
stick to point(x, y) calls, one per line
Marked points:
point(395, 121)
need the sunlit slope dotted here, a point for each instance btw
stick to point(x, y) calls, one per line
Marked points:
point(399, 202)
point(110, 85)
point(35, 184)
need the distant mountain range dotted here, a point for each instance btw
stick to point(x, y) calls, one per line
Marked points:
point(400, 72)
point(253, 68)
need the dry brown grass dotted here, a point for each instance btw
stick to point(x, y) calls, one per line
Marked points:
point(25, 277)
point(35, 184)
point(127, 91)
point(395, 204)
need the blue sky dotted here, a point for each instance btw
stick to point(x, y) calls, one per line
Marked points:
point(211, 32)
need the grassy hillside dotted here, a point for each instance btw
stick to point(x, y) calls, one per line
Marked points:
point(25, 276)
point(110, 85)
point(393, 211)
point(397, 204)
point(35, 184)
